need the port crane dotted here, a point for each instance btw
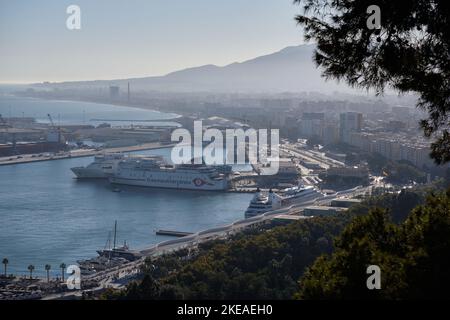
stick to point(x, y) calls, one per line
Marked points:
point(13, 134)
point(56, 129)
point(51, 120)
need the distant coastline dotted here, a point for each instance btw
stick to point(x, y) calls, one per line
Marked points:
point(99, 102)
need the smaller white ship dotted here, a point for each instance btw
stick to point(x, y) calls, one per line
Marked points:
point(264, 202)
point(299, 194)
point(260, 203)
point(102, 167)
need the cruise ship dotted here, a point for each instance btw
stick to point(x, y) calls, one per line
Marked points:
point(102, 167)
point(259, 204)
point(151, 172)
point(264, 202)
point(299, 194)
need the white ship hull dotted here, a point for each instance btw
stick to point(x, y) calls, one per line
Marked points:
point(275, 201)
point(101, 168)
point(187, 184)
point(90, 173)
point(156, 174)
point(302, 199)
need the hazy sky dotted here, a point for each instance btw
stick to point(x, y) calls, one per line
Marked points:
point(134, 38)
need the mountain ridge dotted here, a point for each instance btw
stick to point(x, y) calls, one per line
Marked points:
point(290, 69)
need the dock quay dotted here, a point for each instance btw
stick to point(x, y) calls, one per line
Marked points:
point(79, 153)
point(118, 276)
point(173, 233)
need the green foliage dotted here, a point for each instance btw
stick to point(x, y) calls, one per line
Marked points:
point(403, 173)
point(400, 172)
point(376, 162)
point(330, 256)
point(263, 264)
point(397, 172)
point(148, 289)
point(413, 256)
point(341, 182)
point(399, 205)
point(426, 234)
point(446, 181)
point(409, 53)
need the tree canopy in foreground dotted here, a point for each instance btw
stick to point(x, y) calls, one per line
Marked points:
point(409, 53)
point(412, 251)
point(413, 257)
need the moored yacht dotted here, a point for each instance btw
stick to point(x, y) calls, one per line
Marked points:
point(260, 203)
point(299, 194)
point(118, 252)
point(264, 202)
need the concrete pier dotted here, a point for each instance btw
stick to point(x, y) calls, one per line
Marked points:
point(173, 233)
point(27, 158)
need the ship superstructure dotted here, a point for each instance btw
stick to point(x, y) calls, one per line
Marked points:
point(101, 168)
point(263, 202)
point(153, 172)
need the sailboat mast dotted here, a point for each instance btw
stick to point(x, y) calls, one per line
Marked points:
point(115, 234)
point(108, 241)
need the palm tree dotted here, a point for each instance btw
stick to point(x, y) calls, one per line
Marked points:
point(31, 268)
point(47, 268)
point(62, 267)
point(5, 262)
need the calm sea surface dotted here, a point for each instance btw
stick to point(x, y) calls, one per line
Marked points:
point(70, 112)
point(47, 216)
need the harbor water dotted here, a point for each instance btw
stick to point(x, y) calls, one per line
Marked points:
point(49, 217)
point(78, 112)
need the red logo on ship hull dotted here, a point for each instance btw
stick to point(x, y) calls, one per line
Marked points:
point(198, 182)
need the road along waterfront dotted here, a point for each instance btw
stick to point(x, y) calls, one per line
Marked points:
point(117, 277)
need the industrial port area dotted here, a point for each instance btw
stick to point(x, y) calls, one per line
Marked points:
point(215, 158)
point(23, 139)
point(293, 193)
point(311, 180)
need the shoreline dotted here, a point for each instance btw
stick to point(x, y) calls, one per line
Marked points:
point(106, 103)
point(4, 161)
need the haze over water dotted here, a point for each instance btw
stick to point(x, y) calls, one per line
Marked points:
point(79, 112)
